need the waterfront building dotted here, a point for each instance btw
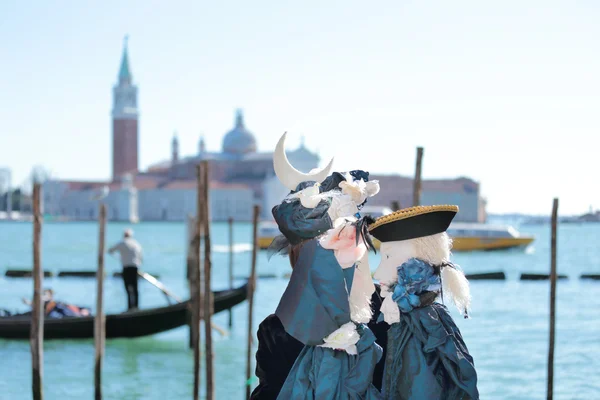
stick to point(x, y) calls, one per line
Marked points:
point(240, 176)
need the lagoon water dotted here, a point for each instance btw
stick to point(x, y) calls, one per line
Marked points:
point(507, 334)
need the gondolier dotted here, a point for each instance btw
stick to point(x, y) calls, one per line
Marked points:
point(131, 259)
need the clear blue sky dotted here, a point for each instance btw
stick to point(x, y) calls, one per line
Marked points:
point(506, 92)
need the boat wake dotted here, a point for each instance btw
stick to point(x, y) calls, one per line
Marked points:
point(237, 248)
point(530, 250)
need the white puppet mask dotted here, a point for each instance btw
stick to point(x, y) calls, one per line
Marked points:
point(420, 232)
point(393, 255)
point(434, 249)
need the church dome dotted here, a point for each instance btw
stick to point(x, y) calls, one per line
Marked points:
point(239, 140)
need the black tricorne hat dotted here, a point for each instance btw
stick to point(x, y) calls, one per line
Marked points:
point(413, 222)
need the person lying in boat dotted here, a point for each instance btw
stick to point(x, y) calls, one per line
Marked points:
point(57, 309)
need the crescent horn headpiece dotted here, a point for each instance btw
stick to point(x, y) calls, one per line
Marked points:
point(289, 176)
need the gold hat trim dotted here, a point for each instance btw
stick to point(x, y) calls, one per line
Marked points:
point(410, 212)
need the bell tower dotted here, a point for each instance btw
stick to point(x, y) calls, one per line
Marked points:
point(125, 121)
point(175, 149)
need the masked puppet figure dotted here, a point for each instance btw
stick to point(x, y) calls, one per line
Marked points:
point(326, 305)
point(426, 355)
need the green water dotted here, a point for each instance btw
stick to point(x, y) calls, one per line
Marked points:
point(507, 334)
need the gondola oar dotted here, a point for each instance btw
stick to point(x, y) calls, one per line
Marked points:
point(153, 281)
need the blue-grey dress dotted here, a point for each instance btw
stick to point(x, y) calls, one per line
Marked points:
point(426, 355)
point(314, 305)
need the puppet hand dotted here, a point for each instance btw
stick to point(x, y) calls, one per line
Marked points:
point(389, 310)
point(344, 338)
point(359, 190)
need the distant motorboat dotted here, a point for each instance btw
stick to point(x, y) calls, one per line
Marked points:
point(267, 230)
point(480, 236)
point(465, 236)
point(375, 211)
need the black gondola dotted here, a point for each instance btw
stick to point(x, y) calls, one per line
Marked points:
point(125, 325)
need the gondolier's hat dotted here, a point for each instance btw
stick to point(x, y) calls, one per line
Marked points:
point(413, 222)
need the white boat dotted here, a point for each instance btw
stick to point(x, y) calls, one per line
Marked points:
point(15, 216)
point(375, 211)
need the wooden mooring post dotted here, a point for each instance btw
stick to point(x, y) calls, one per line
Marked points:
point(550, 390)
point(36, 336)
point(417, 180)
point(251, 289)
point(230, 223)
point(196, 286)
point(189, 243)
point(99, 318)
point(208, 294)
point(190, 271)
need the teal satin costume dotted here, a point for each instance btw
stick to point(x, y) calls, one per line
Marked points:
point(426, 356)
point(314, 305)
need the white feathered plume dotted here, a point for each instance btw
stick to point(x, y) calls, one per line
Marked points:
point(456, 287)
point(361, 292)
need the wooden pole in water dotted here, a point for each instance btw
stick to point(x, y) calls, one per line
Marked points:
point(230, 221)
point(36, 336)
point(189, 230)
point(190, 271)
point(196, 295)
point(208, 295)
point(251, 289)
point(99, 318)
point(417, 180)
point(550, 390)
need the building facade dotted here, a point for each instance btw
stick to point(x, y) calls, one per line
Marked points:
point(5, 191)
point(179, 199)
point(240, 176)
point(76, 200)
point(463, 192)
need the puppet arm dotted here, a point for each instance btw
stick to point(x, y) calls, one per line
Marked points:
point(329, 283)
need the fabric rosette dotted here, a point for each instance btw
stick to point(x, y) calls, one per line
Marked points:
point(344, 338)
point(414, 277)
